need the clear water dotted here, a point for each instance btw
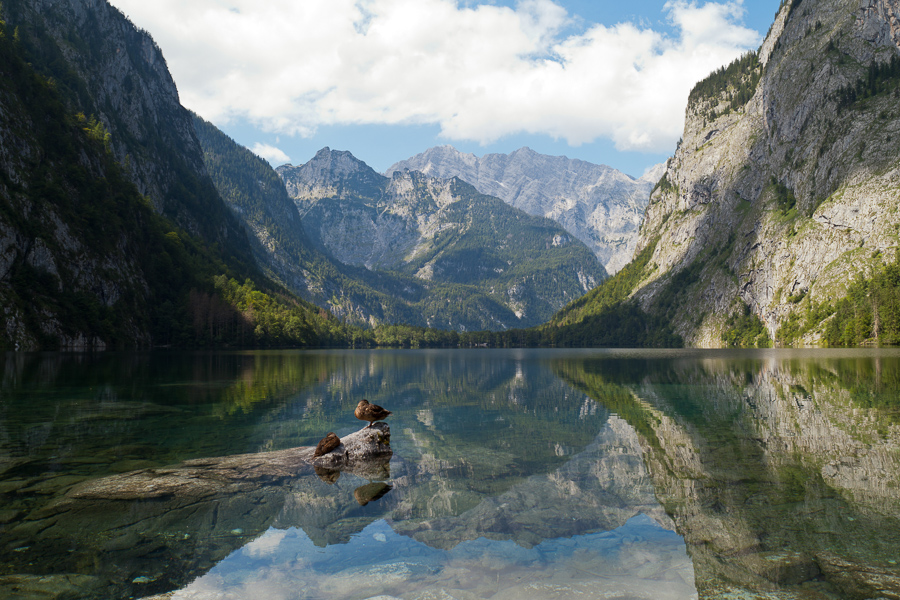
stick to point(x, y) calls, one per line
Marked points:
point(515, 474)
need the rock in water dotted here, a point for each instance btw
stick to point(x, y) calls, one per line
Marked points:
point(327, 444)
point(366, 453)
point(370, 412)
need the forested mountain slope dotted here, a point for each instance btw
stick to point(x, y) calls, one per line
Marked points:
point(257, 195)
point(89, 120)
point(783, 196)
point(103, 66)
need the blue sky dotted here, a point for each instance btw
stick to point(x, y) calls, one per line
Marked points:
point(601, 81)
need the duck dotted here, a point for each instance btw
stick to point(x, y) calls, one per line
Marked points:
point(370, 412)
point(327, 444)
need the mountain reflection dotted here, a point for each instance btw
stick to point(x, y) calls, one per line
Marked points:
point(781, 473)
point(515, 473)
point(484, 447)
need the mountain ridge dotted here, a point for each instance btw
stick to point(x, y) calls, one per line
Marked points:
point(106, 67)
point(598, 204)
point(112, 234)
point(426, 228)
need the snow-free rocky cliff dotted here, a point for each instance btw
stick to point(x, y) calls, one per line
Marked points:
point(597, 204)
point(441, 234)
point(724, 207)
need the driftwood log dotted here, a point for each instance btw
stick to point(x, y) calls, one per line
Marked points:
point(365, 453)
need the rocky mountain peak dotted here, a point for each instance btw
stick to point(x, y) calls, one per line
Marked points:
point(327, 174)
point(439, 162)
point(653, 174)
point(336, 164)
point(451, 257)
point(597, 204)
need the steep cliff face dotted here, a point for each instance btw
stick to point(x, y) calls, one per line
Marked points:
point(441, 234)
point(79, 247)
point(779, 200)
point(255, 193)
point(599, 205)
point(104, 66)
point(111, 231)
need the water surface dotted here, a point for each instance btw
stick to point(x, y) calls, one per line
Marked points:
point(515, 474)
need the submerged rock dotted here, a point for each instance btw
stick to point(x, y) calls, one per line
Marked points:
point(371, 492)
point(155, 529)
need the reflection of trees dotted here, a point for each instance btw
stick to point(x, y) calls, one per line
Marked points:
point(769, 467)
point(162, 407)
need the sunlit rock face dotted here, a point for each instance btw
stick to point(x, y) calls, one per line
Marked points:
point(599, 205)
point(724, 207)
point(782, 474)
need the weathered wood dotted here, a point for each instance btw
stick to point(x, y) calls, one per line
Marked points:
point(364, 453)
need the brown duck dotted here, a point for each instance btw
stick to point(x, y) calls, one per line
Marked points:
point(370, 412)
point(328, 443)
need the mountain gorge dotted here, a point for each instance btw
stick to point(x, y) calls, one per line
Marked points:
point(462, 248)
point(783, 193)
point(127, 221)
point(599, 205)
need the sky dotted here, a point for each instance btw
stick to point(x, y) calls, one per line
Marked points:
point(604, 81)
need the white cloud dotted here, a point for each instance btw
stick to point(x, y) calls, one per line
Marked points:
point(481, 71)
point(266, 544)
point(270, 153)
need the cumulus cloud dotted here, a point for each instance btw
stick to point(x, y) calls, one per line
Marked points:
point(480, 71)
point(272, 154)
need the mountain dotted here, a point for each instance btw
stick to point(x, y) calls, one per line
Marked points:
point(775, 221)
point(112, 233)
point(470, 260)
point(258, 197)
point(103, 66)
point(599, 205)
point(78, 245)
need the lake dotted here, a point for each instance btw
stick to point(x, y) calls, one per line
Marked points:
point(519, 474)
